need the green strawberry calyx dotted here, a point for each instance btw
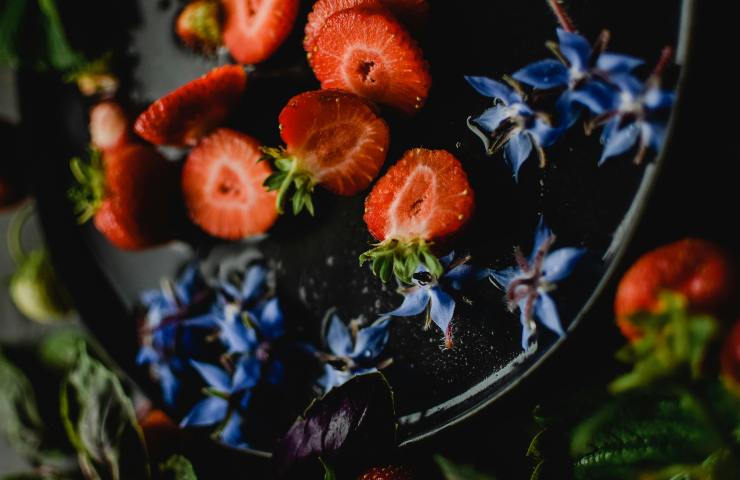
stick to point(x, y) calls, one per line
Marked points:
point(402, 259)
point(288, 175)
point(88, 193)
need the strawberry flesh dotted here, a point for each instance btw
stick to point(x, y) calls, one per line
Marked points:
point(183, 116)
point(254, 29)
point(109, 126)
point(410, 12)
point(337, 137)
point(222, 185)
point(426, 195)
point(367, 52)
point(422, 200)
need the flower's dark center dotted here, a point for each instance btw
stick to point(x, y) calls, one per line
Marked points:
point(424, 278)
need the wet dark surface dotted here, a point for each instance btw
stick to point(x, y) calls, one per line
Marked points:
point(316, 259)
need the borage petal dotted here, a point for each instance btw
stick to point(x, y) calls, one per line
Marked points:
point(246, 374)
point(517, 151)
point(575, 49)
point(206, 412)
point(491, 88)
point(270, 319)
point(338, 338)
point(614, 63)
point(254, 282)
point(547, 313)
point(560, 263)
point(233, 432)
point(620, 141)
point(371, 341)
point(213, 375)
point(443, 308)
point(414, 302)
point(544, 74)
point(491, 119)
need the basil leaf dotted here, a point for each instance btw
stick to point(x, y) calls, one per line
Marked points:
point(356, 418)
point(452, 471)
point(19, 414)
point(101, 423)
point(11, 18)
point(60, 54)
point(177, 467)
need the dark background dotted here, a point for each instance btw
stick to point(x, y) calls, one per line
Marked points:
point(695, 196)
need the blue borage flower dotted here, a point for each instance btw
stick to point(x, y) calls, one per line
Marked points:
point(528, 284)
point(354, 350)
point(167, 340)
point(511, 124)
point(227, 398)
point(637, 119)
point(584, 71)
point(427, 293)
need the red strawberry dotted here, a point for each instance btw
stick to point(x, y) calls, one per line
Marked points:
point(367, 52)
point(730, 360)
point(131, 193)
point(254, 29)
point(222, 185)
point(411, 11)
point(109, 126)
point(423, 199)
point(333, 139)
point(696, 269)
point(185, 115)
point(199, 25)
point(390, 472)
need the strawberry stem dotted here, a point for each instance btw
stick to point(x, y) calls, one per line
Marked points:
point(87, 196)
point(402, 259)
point(289, 175)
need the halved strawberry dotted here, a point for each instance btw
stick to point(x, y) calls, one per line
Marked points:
point(334, 139)
point(185, 115)
point(422, 200)
point(222, 185)
point(388, 472)
point(131, 192)
point(254, 29)
point(109, 126)
point(368, 52)
point(410, 12)
point(199, 25)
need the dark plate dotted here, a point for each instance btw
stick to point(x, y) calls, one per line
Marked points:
point(316, 259)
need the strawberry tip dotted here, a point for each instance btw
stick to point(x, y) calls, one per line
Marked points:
point(402, 259)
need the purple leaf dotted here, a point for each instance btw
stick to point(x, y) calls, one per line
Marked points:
point(350, 421)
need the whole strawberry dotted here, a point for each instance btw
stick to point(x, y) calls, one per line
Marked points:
point(696, 269)
point(334, 139)
point(421, 201)
point(199, 26)
point(131, 195)
point(389, 472)
point(187, 114)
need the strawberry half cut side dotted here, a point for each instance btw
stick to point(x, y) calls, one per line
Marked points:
point(334, 139)
point(190, 112)
point(255, 29)
point(421, 202)
point(222, 186)
point(366, 51)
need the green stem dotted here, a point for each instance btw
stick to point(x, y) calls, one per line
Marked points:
point(285, 187)
point(15, 231)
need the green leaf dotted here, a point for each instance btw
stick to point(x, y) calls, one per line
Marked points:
point(19, 414)
point(673, 346)
point(101, 423)
point(57, 351)
point(452, 471)
point(60, 54)
point(11, 18)
point(177, 467)
point(635, 433)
